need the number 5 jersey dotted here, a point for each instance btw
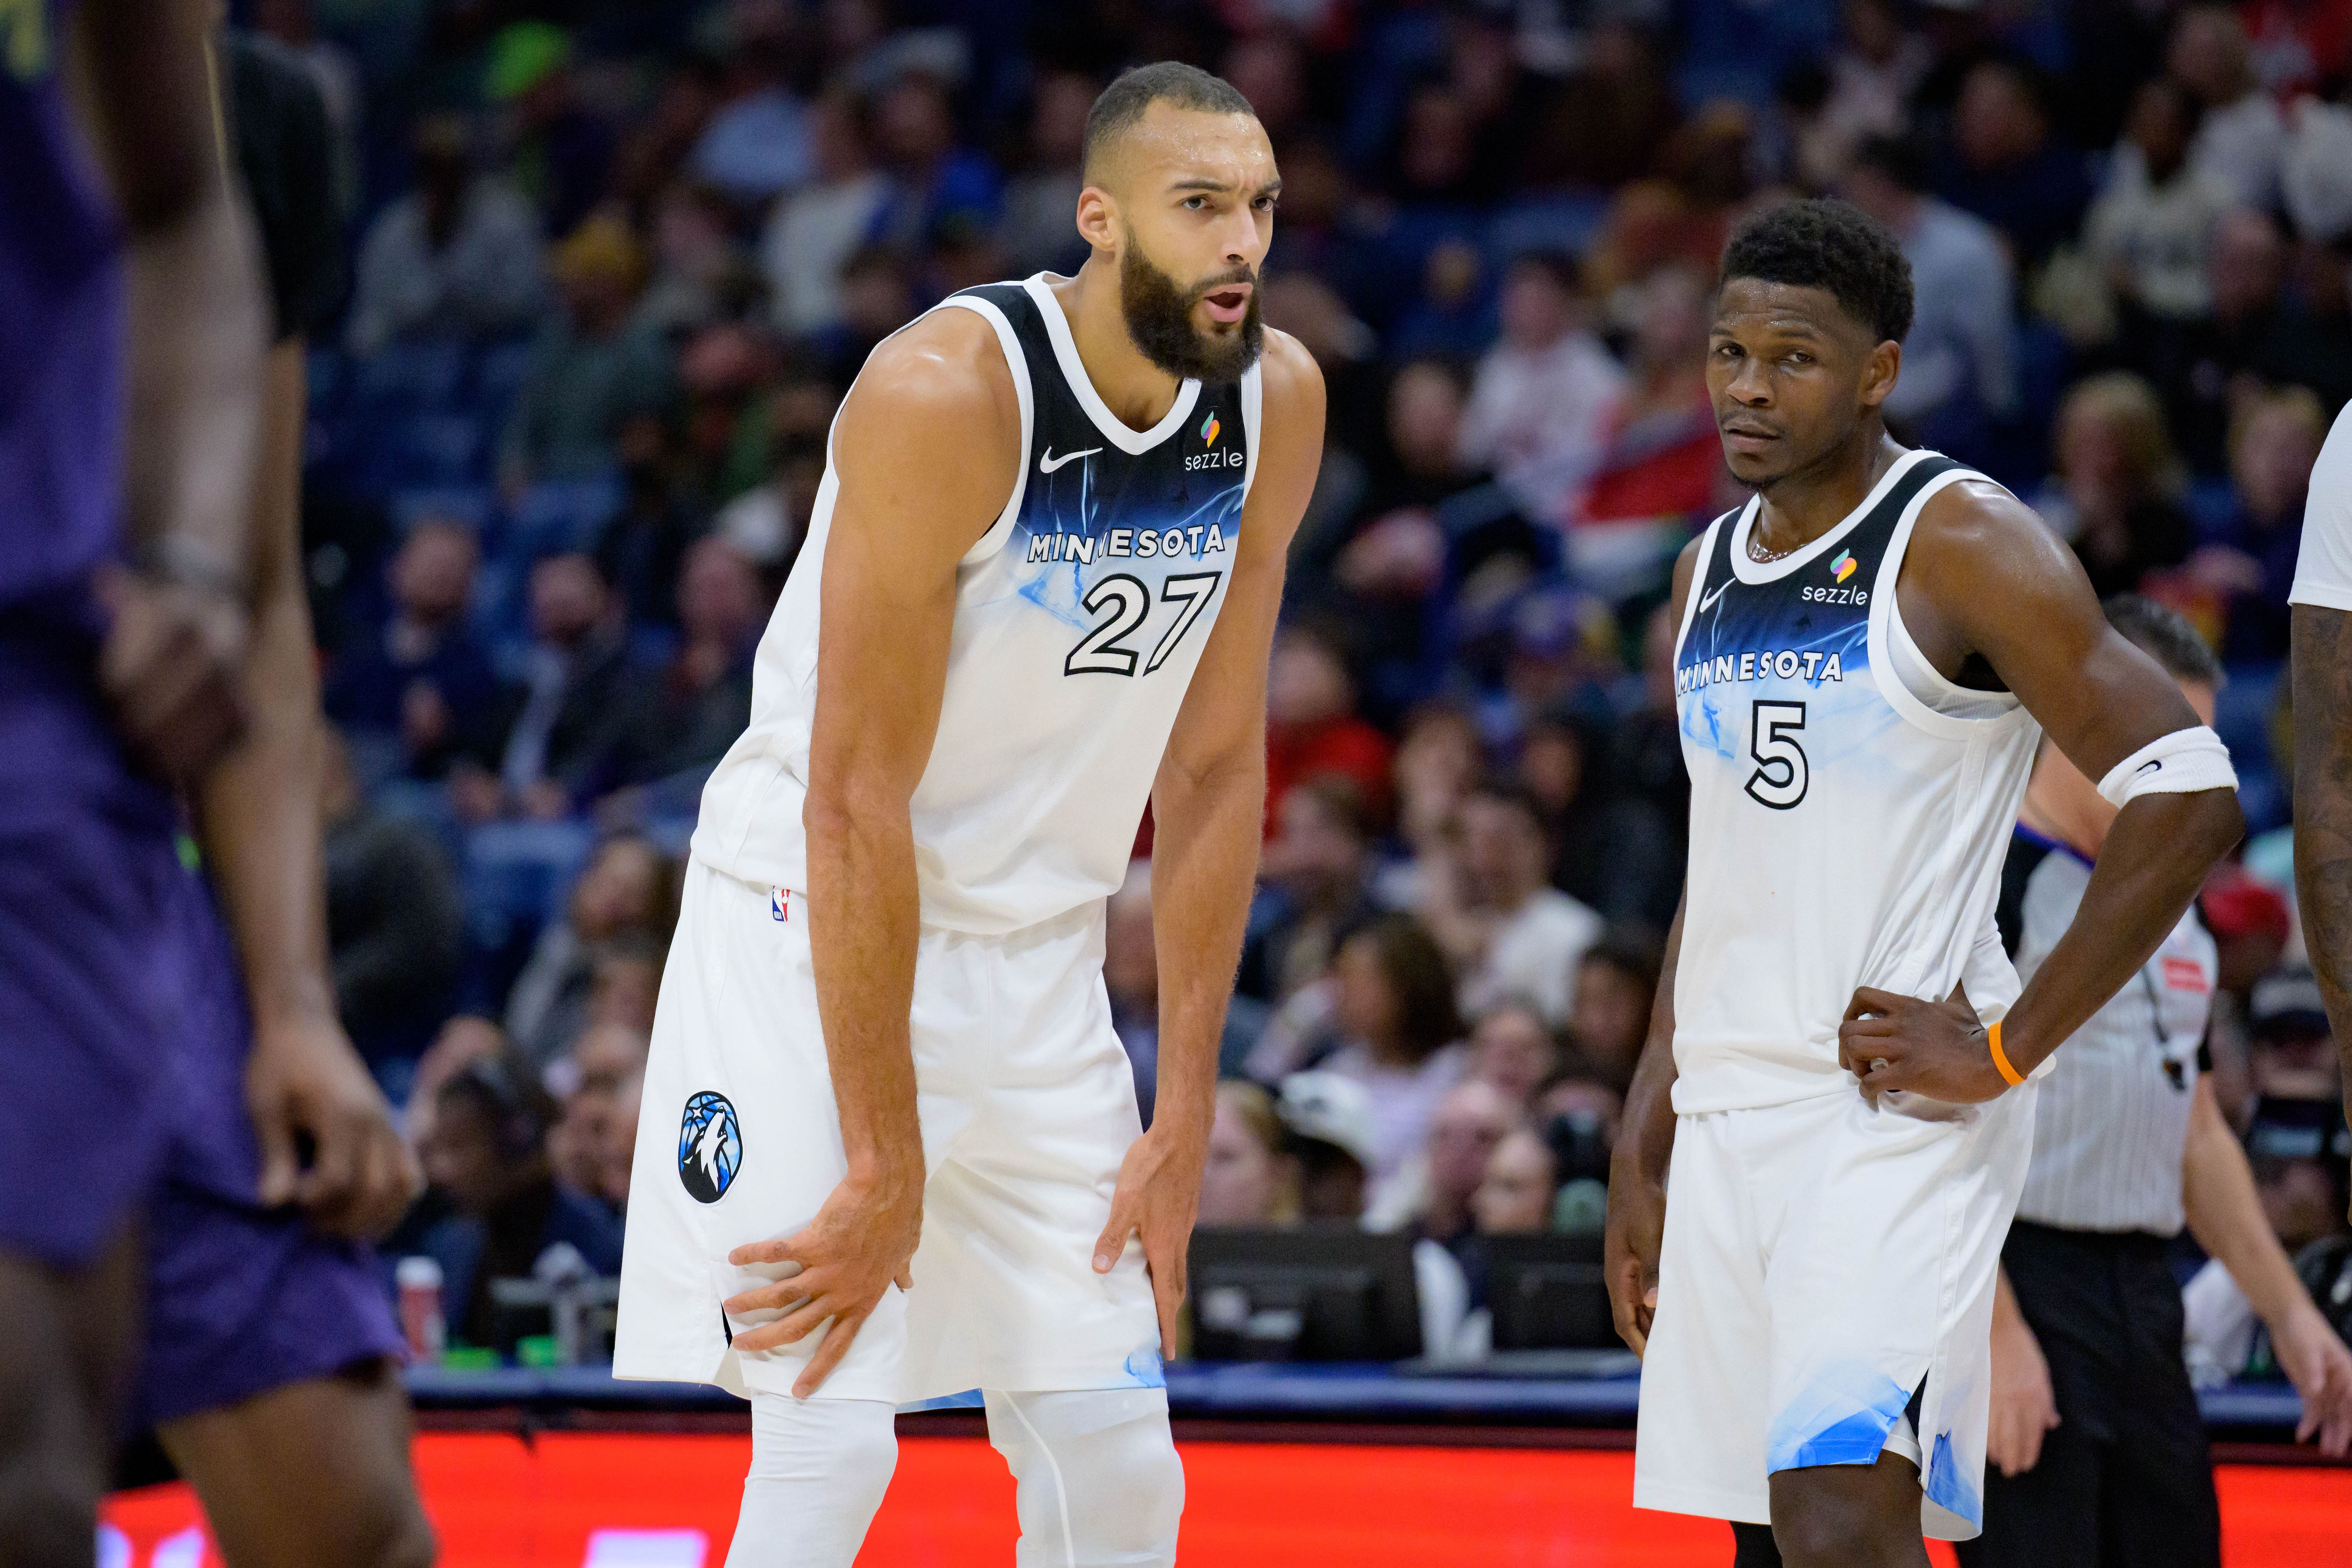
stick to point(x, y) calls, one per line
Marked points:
point(1849, 806)
point(1079, 616)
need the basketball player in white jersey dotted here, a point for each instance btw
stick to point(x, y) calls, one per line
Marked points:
point(890, 1151)
point(1869, 652)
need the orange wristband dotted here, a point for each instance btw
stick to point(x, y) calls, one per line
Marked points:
point(2001, 1062)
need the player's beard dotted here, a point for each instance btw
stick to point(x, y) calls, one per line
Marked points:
point(1159, 312)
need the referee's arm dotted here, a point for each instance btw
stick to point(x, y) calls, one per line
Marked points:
point(2216, 1190)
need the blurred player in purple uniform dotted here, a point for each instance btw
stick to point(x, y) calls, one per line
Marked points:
point(184, 1173)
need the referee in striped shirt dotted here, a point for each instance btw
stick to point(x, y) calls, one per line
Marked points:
point(2099, 1453)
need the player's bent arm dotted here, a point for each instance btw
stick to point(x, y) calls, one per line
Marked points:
point(1208, 798)
point(1994, 580)
point(927, 449)
point(2323, 808)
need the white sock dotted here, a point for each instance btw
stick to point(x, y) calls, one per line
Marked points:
point(1098, 1482)
point(819, 1469)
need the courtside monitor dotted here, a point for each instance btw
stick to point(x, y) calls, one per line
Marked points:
point(1321, 1293)
point(1546, 1293)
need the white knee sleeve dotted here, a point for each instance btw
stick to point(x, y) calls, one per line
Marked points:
point(1098, 1483)
point(819, 1469)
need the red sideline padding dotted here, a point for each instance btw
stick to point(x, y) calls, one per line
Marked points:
point(580, 1500)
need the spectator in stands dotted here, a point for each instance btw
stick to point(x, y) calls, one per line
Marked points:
point(2244, 131)
point(1616, 984)
point(1490, 902)
point(425, 678)
point(641, 547)
point(1960, 363)
point(621, 1142)
point(1250, 1177)
point(2274, 443)
point(1514, 1049)
point(2115, 495)
point(1311, 726)
point(1541, 397)
point(1466, 1128)
point(877, 297)
point(934, 182)
point(1327, 1121)
point(1614, 851)
point(552, 743)
point(768, 523)
point(561, 153)
point(1315, 880)
point(2007, 166)
point(701, 275)
point(395, 927)
point(458, 256)
point(627, 980)
point(684, 714)
point(628, 887)
point(2152, 226)
point(1515, 1197)
point(1397, 1033)
point(758, 141)
point(1437, 760)
point(589, 1083)
point(593, 365)
point(1660, 448)
point(653, 150)
point(813, 231)
point(1037, 231)
point(494, 1206)
point(1865, 90)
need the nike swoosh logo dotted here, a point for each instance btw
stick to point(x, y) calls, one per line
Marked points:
point(2148, 766)
point(1709, 602)
point(1048, 463)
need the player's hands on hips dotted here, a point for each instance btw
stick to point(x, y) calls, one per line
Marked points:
point(2320, 1367)
point(173, 666)
point(861, 1241)
point(2024, 1407)
point(1158, 1198)
point(1935, 1048)
point(305, 1079)
point(1629, 1252)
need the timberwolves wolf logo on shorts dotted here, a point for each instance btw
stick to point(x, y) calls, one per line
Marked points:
point(710, 1146)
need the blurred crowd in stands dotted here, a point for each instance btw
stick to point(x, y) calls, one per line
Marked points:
point(613, 267)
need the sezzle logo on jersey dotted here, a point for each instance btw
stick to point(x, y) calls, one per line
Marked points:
point(1128, 543)
point(1786, 663)
point(1230, 459)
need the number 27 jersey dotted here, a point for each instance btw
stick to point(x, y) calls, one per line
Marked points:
point(1850, 808)
point(1079, 617)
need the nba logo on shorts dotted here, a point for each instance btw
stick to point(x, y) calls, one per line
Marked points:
point(780, 904)
point(710, 1146)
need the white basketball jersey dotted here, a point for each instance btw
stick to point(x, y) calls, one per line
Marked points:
point(1850, 808)
point(1079, 617)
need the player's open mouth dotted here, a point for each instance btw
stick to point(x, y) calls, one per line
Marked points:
point(1228, 304)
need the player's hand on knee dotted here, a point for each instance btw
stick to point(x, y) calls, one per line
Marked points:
point(2024, 1405)
point(860, 1242)
point(1629, 1250)
point(1935, 1048)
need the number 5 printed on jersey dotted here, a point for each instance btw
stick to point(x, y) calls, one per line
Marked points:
point(1123, 602)
point(1782, 775)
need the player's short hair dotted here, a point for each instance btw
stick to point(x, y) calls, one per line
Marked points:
point(2164, 635)
point(1824, 243)
point(1122, 103)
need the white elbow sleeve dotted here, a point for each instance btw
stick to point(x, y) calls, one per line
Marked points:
point(2182, 763)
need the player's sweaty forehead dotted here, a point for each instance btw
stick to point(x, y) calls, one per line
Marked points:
point(1752, 311)
point(1173, 151)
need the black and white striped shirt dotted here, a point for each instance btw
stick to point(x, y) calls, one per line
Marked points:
point(2113, 1116)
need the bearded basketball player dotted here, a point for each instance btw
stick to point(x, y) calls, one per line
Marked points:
point(1840, 1069)
point(890, 1150)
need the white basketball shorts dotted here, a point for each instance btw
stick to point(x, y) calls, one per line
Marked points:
point(1824, 1261)
point(1028, 1105)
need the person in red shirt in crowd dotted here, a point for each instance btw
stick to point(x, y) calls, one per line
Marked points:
point(1312, 727)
